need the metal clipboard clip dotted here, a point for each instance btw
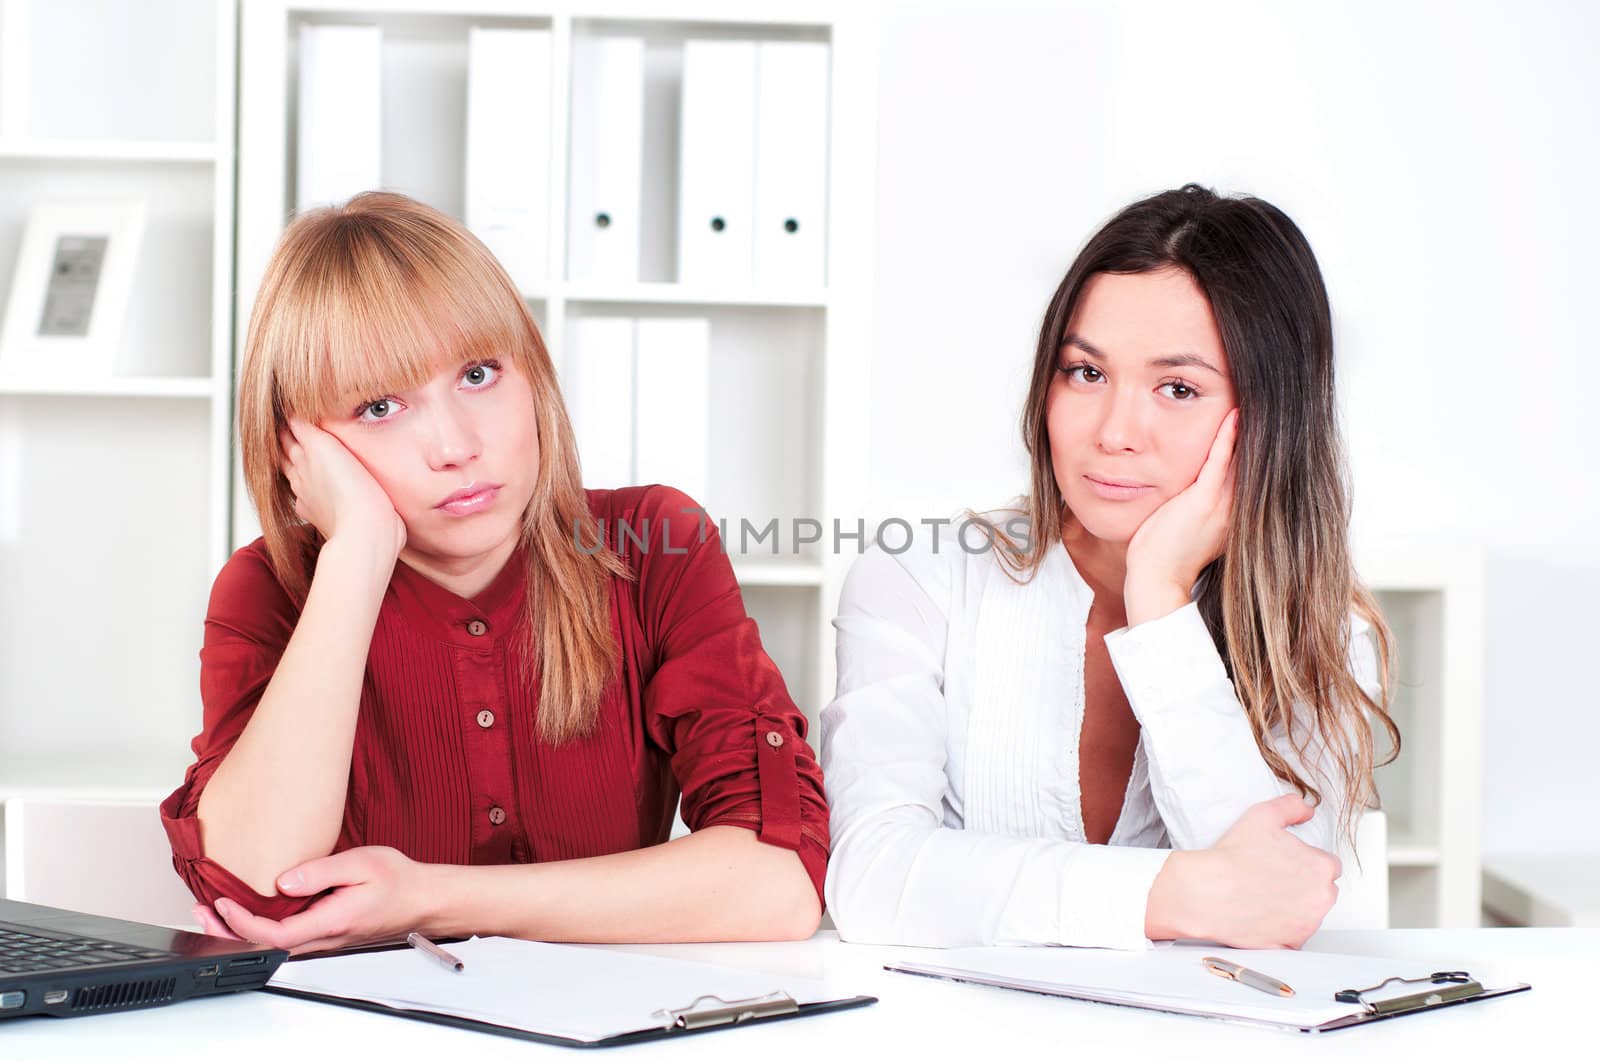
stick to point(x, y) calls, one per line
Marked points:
point(1459, 986)
point(698, 1014)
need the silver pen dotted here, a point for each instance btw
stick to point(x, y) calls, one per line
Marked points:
point(422, 944)
point(1245, 976)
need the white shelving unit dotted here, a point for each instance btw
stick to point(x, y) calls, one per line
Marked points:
point(788, 402)
point(1553, 889)
point(114, 492)
point(1433, 794)
point(118, 498)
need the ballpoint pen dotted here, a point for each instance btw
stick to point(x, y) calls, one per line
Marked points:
point(422, 944)
point(1245, 976)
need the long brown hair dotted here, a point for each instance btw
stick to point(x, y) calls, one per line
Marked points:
point(361, 299)
point(1278, 601)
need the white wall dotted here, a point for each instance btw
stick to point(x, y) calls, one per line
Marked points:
point(1442, 160)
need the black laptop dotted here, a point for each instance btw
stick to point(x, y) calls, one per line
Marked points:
point(56, 962)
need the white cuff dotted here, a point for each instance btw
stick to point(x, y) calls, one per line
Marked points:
point(1164, 662)
point(1206, 767)
point(1095, 898)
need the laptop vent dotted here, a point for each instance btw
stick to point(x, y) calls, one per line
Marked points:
point(124, 994)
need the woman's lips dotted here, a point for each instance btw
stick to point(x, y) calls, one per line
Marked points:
point(462, 504)
point(1116, 492)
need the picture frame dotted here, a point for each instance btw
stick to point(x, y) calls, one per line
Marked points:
point(69, 294)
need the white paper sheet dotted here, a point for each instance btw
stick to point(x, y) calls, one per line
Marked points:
point(561, 990)
point(1173, 978)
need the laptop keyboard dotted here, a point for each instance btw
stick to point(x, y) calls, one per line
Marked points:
point(30, 950)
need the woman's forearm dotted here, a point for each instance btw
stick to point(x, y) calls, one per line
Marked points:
point(278, 796)
point(717, 884)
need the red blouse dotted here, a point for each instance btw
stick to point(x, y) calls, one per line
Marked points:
point(447, 764)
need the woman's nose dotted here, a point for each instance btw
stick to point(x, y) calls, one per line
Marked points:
point(454, 437)
point(1121, 423)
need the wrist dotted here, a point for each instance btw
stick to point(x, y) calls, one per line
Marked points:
point(1168, 913)
point(438, 910)
point(1146, 600)
point(372, 535)
point(364, 557)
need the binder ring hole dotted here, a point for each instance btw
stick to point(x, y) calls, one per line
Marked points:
point(717, 224)
point(602, 220)
point(790, 225)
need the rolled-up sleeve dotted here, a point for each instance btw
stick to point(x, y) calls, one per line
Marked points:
point(715, 701)
point(248, 624)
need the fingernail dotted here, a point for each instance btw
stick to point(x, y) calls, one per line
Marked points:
point(290, 880)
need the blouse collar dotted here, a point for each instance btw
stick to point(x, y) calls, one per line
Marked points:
point(473, 623)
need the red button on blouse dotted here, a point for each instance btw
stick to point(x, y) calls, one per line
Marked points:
point(698, 705)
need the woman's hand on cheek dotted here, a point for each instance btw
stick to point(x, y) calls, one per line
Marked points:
point(334, 492)
point(1184, 535)
point(377, 894)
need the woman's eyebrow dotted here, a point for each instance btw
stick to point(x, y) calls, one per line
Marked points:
point(1074, 340)
point(1167, 361)
point(1178, 361)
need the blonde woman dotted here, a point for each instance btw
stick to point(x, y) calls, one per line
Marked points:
point(450, 689)
point(1106, 729)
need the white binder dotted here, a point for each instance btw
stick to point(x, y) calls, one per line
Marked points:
point(716, 183)
point(597, 383)
point(791, 164)
point(340, 113)
point(508, 148)
point(673, 381)
point(607, 148)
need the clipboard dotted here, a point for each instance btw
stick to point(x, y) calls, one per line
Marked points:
point(1446, 989)
point(680, 1014)
point(1121, 974)
point(699, 1017)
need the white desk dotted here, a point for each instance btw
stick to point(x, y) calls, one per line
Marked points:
point(916, 1019)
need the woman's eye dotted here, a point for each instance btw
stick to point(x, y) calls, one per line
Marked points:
point(1086, 373)
point(1181, 392)
point(482, 375)
point(377, 411)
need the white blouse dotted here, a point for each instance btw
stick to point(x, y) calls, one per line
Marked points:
point(950, 755)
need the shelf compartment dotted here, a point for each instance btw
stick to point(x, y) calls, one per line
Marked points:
point(167, 332)
point(789, 619)
point(105, 550)
point(47, 150)
point(115, 387)
point(1560, 889)
point(764, 433)
point(87, 97)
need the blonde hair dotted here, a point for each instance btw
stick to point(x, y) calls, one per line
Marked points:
point(1277, 603)
point(361, 299)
